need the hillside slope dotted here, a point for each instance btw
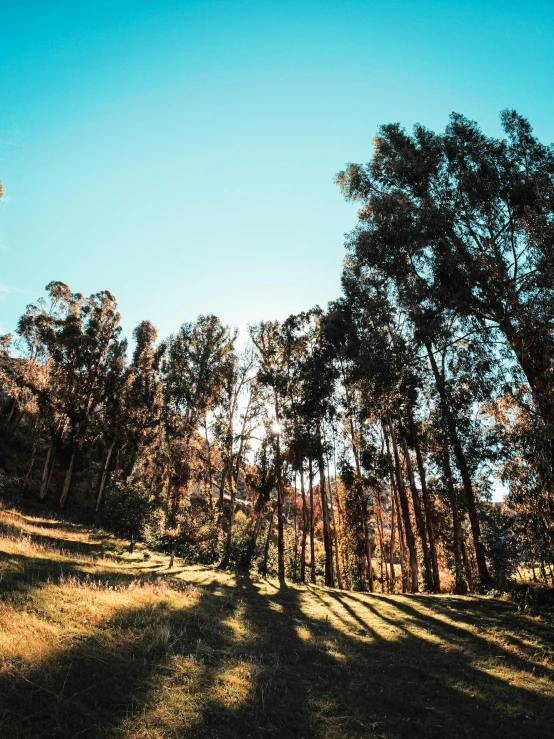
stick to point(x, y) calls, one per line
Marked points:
point(97, 643)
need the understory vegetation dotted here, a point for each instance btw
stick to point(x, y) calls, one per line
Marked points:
point(98, 642)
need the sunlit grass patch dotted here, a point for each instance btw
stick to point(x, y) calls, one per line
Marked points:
point(303, 633)
point(101, 643)
point(235, 683)
point(24, 636)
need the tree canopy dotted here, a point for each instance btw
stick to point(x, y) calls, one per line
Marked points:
point(358, 445)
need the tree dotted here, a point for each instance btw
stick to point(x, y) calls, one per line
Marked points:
point(262, 479)
point(235, 425)
point(266, 337)
point(393, 409)
point(318, 383)
point(79, 337)
point(465, 220)
point(128, 510)
point(193, 381)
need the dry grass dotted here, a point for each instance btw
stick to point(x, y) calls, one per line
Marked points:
point(97, 643)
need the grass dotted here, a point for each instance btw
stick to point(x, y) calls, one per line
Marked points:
point(95, 642)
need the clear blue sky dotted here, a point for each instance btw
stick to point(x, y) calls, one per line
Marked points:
point(181, 154)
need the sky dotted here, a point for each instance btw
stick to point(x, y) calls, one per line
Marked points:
point(182, 154)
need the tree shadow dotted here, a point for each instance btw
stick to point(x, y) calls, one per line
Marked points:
point(488, 619)
point(23, 574)
point(60, 544)
point(328, 683)
point(242, 661)
point(88, 688)
point(244, 658)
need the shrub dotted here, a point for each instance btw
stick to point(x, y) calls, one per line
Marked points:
point(128, 511)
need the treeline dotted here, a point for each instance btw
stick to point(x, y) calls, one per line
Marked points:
point(358, 445)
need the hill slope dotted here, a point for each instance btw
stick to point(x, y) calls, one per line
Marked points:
point(98, 643)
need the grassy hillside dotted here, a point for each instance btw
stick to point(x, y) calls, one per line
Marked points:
point(95, 642)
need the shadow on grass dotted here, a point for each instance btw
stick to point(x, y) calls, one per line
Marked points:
point(243, 658)
point(244, 663)
point(86, 548)
point(22, 574)
point(88, 688)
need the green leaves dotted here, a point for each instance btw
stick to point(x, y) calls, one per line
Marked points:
point(128, 509)
point(195, 367)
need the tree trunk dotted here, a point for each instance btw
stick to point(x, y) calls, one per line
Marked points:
point(221, 498)
point(29, 476)
point(410, 539)
point(484, 576)
point(312, 542)
point(395, 510)
point(280, 523)
point(337, 563)
point(420, 522)
point(12, 411)
point(104, 476)
point(467, 565)
point(335, 531)
point(461, 585)
point(404, 568)
point(229, 536)
point(426, 502)
point(304, 527)
point(46, 471)
point(67, 481)
point(295, 562)
point(350, 413)
point(254, 539)
point(171, 555)
point(210, 473)
point(368, 554)
point(383, 562)
point(391, 544)
point(327, 541)
point(267, 540)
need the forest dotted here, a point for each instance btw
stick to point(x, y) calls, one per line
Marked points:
point(363, 446)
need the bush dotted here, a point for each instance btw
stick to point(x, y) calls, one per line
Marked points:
point(128, 511)
point(500, 542)
point(240, 540)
